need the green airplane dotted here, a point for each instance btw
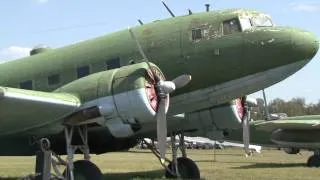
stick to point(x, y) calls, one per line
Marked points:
point(104, 94)
point(291, 134)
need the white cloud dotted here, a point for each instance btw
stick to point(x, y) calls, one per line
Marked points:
point(42, 1)
point(308, 6)
point(13, 52)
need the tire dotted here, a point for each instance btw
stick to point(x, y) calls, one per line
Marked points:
point(291, 150)
point(86, 170)
point(313, 161)
point(187, 169)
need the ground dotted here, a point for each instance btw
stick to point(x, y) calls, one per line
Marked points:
point(220, 164)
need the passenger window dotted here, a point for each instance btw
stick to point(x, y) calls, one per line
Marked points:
point(231, 26)
point(54, 79)
point(83, 71)
point(196, 34)
point(26, 85)
point(113, 63)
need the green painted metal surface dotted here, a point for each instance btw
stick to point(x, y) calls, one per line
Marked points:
point(214, 59)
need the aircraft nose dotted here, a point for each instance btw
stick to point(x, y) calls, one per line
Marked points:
point(304, 44)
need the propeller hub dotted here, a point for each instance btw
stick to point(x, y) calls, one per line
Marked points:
point(165, 88)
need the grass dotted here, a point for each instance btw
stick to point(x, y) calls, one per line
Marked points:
point(221, 164)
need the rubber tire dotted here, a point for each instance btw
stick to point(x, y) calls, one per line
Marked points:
point(291, 150)
point(188, 169)
point(313, 161)
point(86, 170)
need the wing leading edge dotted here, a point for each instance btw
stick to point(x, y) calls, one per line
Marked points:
point(294, 123)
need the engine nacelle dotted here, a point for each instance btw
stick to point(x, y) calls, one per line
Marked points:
point(214, 121)
point(119, 99)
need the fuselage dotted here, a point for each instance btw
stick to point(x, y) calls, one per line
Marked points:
point(213, 47)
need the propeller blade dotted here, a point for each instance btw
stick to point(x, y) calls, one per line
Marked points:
point(182, 80)
point(246, 126)
point(162, 128)
point(246, 134)
point(134, 37)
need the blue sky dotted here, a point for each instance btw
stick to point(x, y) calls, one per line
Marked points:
point(26, 23)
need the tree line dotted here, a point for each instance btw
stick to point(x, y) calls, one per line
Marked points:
point(294, 107)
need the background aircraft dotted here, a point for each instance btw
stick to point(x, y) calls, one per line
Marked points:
point(101, 94)
point(291, 134)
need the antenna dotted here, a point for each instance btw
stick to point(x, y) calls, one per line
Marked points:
point(207, 7)
point(190, 12)
point(168, 9)
point(265, 105)
point(140, 22)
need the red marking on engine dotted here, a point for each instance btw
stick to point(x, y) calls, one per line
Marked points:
point(240, 107)
point(151, 89)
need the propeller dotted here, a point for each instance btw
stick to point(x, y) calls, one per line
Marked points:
point(248, 104)
point(267, 116)
point(164, 88)
point(245, 127)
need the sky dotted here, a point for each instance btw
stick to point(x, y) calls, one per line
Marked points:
point(56, 23)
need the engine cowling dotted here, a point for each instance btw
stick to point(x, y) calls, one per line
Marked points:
point(214, 121)
point(119, 99)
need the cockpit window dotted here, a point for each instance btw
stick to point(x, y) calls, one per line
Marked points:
point(261, 21)
point(245, 23)
point(231, 26)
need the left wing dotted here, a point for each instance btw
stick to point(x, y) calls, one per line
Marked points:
point(23, 110)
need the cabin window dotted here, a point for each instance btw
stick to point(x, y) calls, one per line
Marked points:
point(26, 85)
point(196, 34)
point(113, 63)
point(54, 79)
point(83, 71)
point(231, 26)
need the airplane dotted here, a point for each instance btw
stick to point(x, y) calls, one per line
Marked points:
point(290, 134)
point(104, 94)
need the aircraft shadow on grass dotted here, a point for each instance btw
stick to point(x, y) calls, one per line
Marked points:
point(155, 174)
point(271, 165)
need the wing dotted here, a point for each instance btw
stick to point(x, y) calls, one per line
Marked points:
point(296, 123)
point(23, 110)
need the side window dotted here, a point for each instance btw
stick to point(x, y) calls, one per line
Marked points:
point(83, 71)
point(54, 79)
point(231, 26)
point(26, 85)
point(196, 34)
point(113, 63)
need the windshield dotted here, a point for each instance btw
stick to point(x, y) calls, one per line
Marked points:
point(245, 23)
point(261, 21)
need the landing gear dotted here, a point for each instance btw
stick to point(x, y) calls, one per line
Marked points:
point(186, 168)
point(314, 160)
point(81, 169)
point(84, 169)
point(291, 150)
point(181, 167)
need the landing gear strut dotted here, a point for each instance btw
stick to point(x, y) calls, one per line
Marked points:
point(81, 169)
point(314, 160)
point(179, 167)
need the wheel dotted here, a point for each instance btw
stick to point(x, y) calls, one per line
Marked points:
point(85, 170)
point(187, 169)
point(313, 161)
point(291, 150)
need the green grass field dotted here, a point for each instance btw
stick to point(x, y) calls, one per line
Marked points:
point(221, 164)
